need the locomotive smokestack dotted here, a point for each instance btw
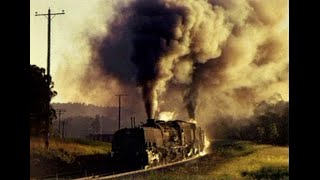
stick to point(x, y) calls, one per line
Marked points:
point(151, 121)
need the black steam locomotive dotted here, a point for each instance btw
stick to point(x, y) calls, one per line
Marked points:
point(156, 142)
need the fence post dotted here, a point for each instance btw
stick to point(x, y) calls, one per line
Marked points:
point(57, 178)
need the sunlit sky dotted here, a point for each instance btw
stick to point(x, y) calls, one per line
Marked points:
point(64, 29)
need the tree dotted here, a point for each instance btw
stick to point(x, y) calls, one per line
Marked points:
point(40, 95)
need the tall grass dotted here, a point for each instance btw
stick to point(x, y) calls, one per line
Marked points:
point(67, 150)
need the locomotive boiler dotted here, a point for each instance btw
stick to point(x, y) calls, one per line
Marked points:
point(157, 142)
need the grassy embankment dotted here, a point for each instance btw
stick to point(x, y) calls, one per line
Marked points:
point(230, 160)
point(64, 155)
point(67, 149)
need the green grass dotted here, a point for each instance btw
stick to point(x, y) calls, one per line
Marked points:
point(67, 150)
point(63, 156)
point(263, 156)
point(86, 142)
point(269, 172)
point(230, 160)
point(231, 148)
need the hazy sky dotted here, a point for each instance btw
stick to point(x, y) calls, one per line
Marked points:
point(70, 52)
point(62, 28)
point(65, 29)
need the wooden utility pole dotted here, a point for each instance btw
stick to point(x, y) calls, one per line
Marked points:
point(49, 16)
point(63, 128)
point(60, 111)
point(120, 95)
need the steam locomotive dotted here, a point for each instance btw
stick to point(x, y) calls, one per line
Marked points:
point(155, 143)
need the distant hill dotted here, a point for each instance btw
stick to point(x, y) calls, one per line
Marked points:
point(81, 109)
point(79, 116)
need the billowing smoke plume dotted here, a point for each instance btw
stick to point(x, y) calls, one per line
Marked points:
point(165, 36)
point(211, 58)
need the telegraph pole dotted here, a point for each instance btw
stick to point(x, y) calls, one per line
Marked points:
point(49, 16)
point(60, 111)
point(120, 95)
point(63, 124)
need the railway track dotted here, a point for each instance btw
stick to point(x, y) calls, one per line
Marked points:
point(114, 176)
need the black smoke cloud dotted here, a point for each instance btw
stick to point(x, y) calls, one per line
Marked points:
point(221, 56)
point(138, 37)
point(152, 27)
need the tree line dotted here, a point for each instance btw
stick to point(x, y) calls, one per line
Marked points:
point(269, 125)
